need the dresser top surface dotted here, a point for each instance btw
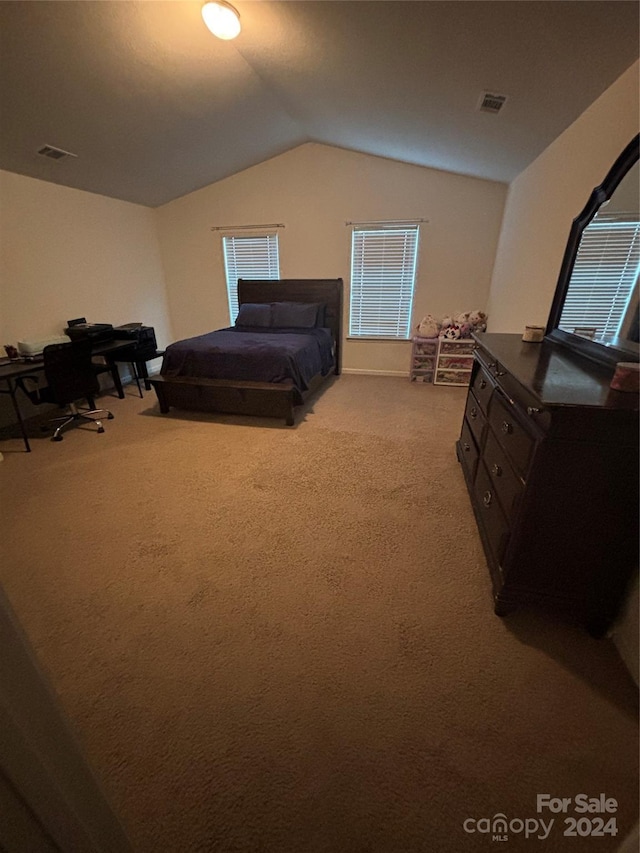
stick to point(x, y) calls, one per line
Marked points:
point(555, 375)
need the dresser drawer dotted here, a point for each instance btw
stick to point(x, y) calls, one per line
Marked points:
point(514, 438)
point(468, 450)
point(482, 387)
point(474, 417)
point(494, 523)
point(505, 482)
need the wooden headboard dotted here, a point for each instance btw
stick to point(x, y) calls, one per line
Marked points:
point(327, 291)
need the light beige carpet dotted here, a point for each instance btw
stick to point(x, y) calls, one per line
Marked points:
point(282, 640)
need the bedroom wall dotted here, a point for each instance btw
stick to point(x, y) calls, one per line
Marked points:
point(544, 199)
point(66, 253)
point(313, 190)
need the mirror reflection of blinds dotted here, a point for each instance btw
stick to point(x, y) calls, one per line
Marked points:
point(253, 256)
point(383, 270)
point(603, 278)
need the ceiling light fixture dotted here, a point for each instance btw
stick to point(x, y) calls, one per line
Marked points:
point(222, 19)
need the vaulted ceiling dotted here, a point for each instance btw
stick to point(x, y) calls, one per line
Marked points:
point(154, 106)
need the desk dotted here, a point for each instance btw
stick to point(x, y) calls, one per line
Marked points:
point(131, 352)
point(11, 371)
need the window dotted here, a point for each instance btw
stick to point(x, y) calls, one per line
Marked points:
point(604, 276)
point(383, 272)
point(248, 257)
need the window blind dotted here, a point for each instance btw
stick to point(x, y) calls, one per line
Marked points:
point(248, 257)
point(604, 275)
point(383, 270)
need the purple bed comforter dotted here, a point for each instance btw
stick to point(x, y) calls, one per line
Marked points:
point(253, 354)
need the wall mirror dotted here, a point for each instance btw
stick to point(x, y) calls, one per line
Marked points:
point(595, 307)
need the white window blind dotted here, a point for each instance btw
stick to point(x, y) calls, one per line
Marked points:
point(383, 271)
point(248, 257)
point(604, 275)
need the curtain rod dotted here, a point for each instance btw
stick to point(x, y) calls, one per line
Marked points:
point(245, 227)
point(387, 222)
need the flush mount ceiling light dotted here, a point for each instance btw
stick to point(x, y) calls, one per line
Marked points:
point(222, 19)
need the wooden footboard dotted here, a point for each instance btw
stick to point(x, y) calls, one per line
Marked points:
point(272, 400)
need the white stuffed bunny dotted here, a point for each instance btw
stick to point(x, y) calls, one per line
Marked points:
point(428, 327)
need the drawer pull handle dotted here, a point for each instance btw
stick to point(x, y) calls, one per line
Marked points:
point(496, 470)
point(531, 411)
point(474, 413)
point(486, 500)
point(507, 428)
point(501, 372)
point(483, 384)
point(467, 447)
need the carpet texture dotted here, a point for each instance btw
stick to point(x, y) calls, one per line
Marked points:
point(282, 639)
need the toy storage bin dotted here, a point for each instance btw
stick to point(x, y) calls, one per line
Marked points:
point(424, 352)
point(454, 361)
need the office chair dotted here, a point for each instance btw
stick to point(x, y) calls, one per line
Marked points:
point(70, 376)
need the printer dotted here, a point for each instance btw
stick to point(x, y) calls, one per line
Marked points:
point(79, 329)
point(31, 349)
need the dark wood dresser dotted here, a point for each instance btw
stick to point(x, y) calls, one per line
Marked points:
point(550, 457)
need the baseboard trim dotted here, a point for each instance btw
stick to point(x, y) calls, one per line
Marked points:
point(361, 372)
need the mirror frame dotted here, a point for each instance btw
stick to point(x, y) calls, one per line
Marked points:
point(606, 353)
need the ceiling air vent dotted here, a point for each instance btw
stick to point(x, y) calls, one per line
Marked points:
point(55, 153)
point(491, 103)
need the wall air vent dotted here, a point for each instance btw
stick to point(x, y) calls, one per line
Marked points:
point(54, 153)
point(491, 103)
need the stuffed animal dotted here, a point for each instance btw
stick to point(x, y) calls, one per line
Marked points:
point(463, 318)
point(451, 333)
point(478, 320)
point(428, 327)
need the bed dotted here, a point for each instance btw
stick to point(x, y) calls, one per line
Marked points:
point(267, 369)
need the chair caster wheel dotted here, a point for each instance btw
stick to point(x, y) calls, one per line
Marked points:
point(57, 437)
point(100, 429)
point(110, 416)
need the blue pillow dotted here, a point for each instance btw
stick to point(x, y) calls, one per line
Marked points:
point(321, 319)
point(254, 314)
point(302, 315)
